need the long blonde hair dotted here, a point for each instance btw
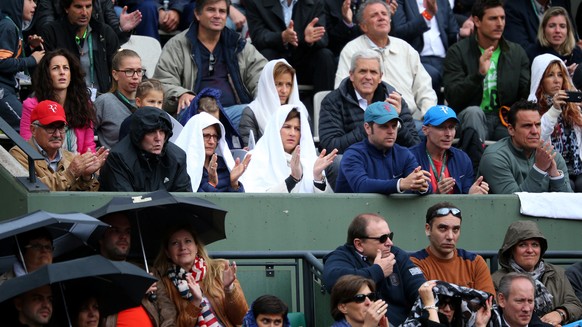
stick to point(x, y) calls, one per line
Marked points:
point(211, 284)
point(571, 112)
point(565, 48)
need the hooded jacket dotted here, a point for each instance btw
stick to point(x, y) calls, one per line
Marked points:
point(61, 34)
point(232, 136)
point(12, 56)
point(554, 277)
point(550, 118)
point(129, 168)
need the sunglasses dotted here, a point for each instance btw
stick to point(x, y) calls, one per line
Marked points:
point(381, 238)
point(360, 298)
point(211, 63)
point(446, 211)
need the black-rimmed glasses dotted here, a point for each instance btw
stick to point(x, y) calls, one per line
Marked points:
point(381, 238)
point(131, 72)
point(207, 137)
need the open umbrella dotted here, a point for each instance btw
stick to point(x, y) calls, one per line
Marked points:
point(69, 231)
point(157, 211)
point(120, 285)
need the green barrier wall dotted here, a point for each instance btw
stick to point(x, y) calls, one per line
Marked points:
point(258, 222)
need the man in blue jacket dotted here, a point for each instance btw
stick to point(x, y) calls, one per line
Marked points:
point(450, 169)
point(370, 252)
point(377, 164)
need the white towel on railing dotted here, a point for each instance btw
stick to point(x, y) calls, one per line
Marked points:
point(551, 205)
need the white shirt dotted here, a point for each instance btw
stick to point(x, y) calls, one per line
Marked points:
point(433, 45)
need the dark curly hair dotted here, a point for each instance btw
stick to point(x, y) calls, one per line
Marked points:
point(78, 105)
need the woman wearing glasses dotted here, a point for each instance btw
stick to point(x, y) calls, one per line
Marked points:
point(58, 77)
point(523, 248)
point(354, 303)
point(285, 159)
point(37, 251)
point(209, 162)
point(113, 107)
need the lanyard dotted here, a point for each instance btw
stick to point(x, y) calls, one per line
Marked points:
point(432, 166)
point(89, 39)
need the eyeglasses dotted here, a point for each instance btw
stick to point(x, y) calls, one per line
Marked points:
point(360, 298)
point(381, 238)
point(211, 63)
point(51, 129)
point(445, 211)
point(207, 137)
point(131, 72)
point(39, 247)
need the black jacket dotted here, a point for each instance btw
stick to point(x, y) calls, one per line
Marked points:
point(128, 168)
point(61, 34)
point(341, 121)
point(266, 23)
point(103, 11)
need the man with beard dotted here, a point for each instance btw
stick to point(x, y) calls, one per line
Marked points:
point(61, 170)
point(115, 245)
point(35, 307)
point(93, 42)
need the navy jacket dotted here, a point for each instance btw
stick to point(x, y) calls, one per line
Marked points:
point(409, 25)
point(365, 169)
point(223, 179)
point(232, 44)
point(458, 163)
point(399, 290)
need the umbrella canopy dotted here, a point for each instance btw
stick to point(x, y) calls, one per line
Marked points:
point(121, 285)
point(69, 232)
point(157, 211)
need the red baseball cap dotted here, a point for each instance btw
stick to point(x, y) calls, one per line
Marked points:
point(48, 112)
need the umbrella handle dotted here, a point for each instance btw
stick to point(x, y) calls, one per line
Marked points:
point(145, 260)
point(65, 305)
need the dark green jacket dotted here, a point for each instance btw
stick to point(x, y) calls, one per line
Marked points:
point(464, 84)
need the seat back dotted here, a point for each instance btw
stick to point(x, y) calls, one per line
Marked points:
point(296, 319)
point(317, 98)
point(148, 48)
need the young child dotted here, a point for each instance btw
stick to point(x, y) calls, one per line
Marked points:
point(16, 16)
point(150, 93)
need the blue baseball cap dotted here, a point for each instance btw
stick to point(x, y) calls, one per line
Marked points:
point(381, 113)
point(437, 115)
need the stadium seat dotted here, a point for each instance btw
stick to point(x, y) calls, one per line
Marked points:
point(148, 48)
point(317, 98)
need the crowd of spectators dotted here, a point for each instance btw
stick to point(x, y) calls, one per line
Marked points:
point(455, 57)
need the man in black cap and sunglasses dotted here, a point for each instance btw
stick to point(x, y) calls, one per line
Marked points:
point(370, 252)
point(442, 260)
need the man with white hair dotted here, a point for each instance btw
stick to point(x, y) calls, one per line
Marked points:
point(401, 66)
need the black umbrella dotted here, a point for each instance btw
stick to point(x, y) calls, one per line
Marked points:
point(120, 285)
point(69, 232)
point(157, 211)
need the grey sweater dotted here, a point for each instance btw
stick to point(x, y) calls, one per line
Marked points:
point(110, 112)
